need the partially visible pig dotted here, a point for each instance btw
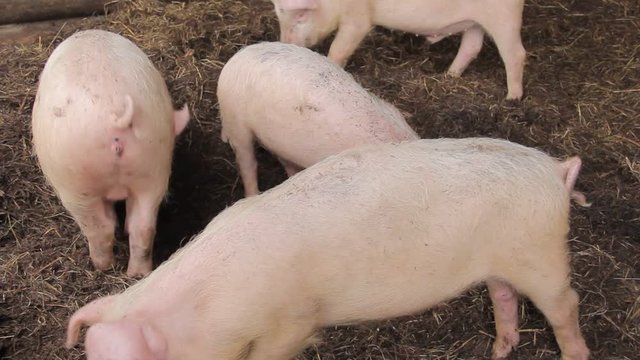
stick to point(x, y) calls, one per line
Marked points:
point(299, 106)
point(104, 130)
point(306, 22)
point(374, 232)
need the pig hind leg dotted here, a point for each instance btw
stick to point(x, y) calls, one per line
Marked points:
point(505, 309)
point(97, 220)
point(548, 287)
point(142, 212)
point(289, 167)
point(470, 47)
point(244, 150)
point(506, 35)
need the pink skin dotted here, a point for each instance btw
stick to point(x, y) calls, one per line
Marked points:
point(505, 310)
point(124, 339)
point(104, 131)
point(427, 220)
point(300, 127)
point(307, 22)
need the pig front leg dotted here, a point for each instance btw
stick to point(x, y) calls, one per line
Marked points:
point(142, 212)
point(97, 220)
point(470, 47)
point(505, 310)
point(347, 39)
point(506, 35)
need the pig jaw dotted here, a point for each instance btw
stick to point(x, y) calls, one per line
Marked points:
point(306, 27)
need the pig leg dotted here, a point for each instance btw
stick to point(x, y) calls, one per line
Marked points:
point(247, 165)
point(142, 212)
point(561, 309)
point(505, 309)
point(347, 39)
point(289, 167)
point(506, 35)
point(548, 288)
point(470, 46)
point(97, 220)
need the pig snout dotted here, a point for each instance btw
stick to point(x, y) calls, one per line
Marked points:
point(124, 339)
point(297, 21)
point(299, 33)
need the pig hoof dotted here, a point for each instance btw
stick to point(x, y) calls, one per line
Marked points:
point(504, 344)
point(581, 352)
point(102, 264)
point(516, 96)
point(454, 73)
point(139, 270)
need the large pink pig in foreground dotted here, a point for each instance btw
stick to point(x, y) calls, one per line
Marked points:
point(103, 131)
point(371, 233)
point(299, 106)
point(306, 22)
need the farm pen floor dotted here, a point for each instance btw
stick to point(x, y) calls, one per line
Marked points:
point(581, 97)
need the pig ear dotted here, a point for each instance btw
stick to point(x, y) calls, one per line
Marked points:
point(180, 119)
point(288, 5)
point(155, 341)
point(87, 316)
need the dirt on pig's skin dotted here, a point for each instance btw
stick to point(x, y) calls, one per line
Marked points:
point(581, 97)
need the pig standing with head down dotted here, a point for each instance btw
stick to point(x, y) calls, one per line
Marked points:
point(374, 232)
point(104, 130)
point(299, 106)
point(306, 22)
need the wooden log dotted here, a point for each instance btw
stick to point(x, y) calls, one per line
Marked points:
point(18, 11)
point(31, 32)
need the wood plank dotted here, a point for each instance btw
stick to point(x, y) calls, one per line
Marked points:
point(31, 32)
point(18, 11)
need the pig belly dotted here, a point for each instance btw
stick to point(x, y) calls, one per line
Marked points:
point(435, 34)
point(429, 18)
point(305, 144)
point(402, 270)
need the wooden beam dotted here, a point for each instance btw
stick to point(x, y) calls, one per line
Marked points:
point(30, 32)
point(18, 11)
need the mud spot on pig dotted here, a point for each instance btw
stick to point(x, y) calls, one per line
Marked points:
point(69, 101)
point(301, 109)
point(58, 112)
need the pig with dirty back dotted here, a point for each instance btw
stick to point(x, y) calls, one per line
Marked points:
point(306, 22)
point(104, 130)
point(374, 232)
point(299, 106)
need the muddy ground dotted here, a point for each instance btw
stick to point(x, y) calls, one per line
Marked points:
point(582, 97)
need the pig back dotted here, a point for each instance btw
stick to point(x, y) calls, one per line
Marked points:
point(426, 218)
point(288, 94)
point(385, 230)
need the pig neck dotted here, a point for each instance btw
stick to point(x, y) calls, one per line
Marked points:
point(188, 272)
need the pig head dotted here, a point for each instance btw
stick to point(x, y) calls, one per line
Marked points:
point(121, 339)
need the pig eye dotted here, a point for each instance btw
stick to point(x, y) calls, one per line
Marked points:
point(301, 16)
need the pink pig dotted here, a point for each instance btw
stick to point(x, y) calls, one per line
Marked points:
point(306, 22)
point(299, 106)
point(104, 130)
point(374, 232)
